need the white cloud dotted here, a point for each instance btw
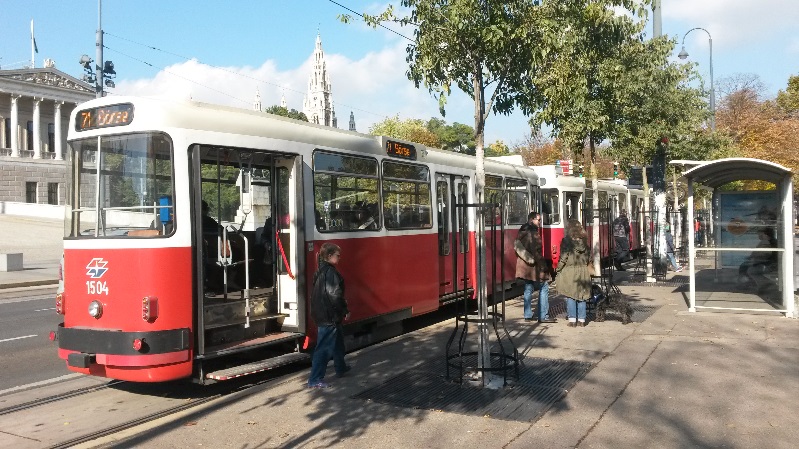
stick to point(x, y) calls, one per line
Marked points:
point(373, 87)
point(731, 22)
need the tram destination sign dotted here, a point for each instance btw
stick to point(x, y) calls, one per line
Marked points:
point(401, 150)
point(104, 117)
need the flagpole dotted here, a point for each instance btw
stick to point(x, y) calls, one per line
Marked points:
point(33, 48)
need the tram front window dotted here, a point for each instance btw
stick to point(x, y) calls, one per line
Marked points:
point(133, 196)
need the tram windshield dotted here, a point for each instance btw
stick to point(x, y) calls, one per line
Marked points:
point(133, 194)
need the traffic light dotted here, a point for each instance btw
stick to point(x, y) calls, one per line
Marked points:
point(615, 170)
point(580, 173)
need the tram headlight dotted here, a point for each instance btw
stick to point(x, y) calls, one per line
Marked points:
point(95, 309)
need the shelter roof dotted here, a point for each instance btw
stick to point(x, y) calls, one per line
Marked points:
point(719, 172)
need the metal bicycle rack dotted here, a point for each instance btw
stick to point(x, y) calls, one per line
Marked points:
point(503, 353)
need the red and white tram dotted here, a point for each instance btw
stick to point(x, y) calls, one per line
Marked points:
point(159, 287)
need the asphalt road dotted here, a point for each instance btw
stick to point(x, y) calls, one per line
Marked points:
point(26, 353)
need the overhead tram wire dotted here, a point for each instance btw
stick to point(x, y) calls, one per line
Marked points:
point(175, 74)
point(379, 24)
point(218, 68)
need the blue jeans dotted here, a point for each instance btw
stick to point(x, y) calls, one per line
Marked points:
point(575, 308)
point(329, 345)
point(543, 299)
point(672, 261)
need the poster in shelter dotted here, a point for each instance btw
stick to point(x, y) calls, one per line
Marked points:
point(742, 215)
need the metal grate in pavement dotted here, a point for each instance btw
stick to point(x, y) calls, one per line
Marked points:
point(542, 383)
point(557, 308)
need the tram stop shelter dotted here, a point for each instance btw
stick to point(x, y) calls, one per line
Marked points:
point(746, 263)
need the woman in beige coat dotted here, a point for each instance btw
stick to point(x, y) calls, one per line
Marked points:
point(574, 280)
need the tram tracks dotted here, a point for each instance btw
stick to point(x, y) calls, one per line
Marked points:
point(133, 423)
point(55, 398)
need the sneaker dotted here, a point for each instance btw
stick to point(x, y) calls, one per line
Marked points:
point(581, 323)
point(346, 370)
point(548, 320)
point(319, 384)
point(678, 269)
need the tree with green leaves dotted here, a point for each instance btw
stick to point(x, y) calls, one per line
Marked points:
point(412, 130)
point(483, 49)
point(285, 112)
point(455, 137)
point(788, 100)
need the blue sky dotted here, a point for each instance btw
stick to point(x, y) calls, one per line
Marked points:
point(222, 51)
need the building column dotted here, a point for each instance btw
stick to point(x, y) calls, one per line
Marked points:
point(37, 129)
point(59, 147)
point(15, 125)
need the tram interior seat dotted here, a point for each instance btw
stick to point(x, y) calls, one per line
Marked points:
point(144, 233)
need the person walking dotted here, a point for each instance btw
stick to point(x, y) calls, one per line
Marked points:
point(670, 249)
point(574, 280)
point(328, 310)
point(532, 268)
point(621, 236)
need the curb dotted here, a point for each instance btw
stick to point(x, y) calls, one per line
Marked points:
point(29, 283)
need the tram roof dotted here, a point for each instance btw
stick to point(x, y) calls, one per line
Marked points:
point(189, 114)
point(719, 172)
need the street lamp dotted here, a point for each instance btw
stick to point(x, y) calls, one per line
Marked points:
point(684, 54)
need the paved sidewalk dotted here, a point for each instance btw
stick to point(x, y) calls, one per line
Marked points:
point(675, 380)
point(40, 240)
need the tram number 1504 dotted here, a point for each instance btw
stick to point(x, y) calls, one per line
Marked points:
point(97, 288)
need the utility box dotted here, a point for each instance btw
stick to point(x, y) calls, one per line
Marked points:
point(11, 262)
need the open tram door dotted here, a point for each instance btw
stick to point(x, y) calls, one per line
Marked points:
point(453, 236)
point(246, 239)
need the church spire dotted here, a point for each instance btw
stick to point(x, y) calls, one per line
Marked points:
point(318, 102)
point(257, 104)
point(352, 121)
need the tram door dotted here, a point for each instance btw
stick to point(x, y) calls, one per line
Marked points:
point(244, 241)
point(572, 205)
point(453, 234)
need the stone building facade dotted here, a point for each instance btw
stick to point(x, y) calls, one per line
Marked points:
point(35, 106)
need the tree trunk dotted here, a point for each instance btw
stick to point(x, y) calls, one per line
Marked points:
point(595, 247)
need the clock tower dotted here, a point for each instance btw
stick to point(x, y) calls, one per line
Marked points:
point(318, 102)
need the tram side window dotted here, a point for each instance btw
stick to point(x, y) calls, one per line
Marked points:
point(518, 201)
point(442, 196)
point(406, 196)
point(135, 187)
point(463, 221)
point(588, 208)
point(493, 195)
point(550, 207)
point(622, 203)
point(345, 193)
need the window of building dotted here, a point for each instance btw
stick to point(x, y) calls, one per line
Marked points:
point(30, 192)
point(406, 196)
point(29, 133)
point(52, 193)
point(51, 137)
point(345, 193)
point(7, 134)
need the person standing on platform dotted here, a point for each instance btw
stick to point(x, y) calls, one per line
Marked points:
point(328, 310)
point(574, 280)
point(621, 236)
point(532, 268)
